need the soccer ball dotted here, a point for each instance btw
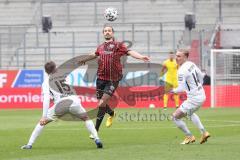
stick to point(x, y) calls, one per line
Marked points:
point(151, 105)
point(110, 14)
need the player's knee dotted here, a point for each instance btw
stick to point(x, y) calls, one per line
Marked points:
point(102, 104)
point(174, 118)
point(84, 117)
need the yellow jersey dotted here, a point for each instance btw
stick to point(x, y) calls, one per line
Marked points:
point(171, 74)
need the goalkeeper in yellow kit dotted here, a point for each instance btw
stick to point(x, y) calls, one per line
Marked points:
point(170, 68)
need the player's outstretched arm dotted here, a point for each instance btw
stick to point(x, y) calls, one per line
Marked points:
point(137, 55)
point(89, 57)
point(46, 104)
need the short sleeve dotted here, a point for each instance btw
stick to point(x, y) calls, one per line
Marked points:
point(123, 49)
point(165, 63)
point(97, 52)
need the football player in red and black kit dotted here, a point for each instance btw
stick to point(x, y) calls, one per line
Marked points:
point(109, 71)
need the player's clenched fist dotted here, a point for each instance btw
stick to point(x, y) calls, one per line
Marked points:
point(43, 121)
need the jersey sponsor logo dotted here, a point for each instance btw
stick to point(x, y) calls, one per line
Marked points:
point(191, 68)
point(108, 52)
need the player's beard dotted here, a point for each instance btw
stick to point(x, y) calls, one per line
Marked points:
point(108, 37)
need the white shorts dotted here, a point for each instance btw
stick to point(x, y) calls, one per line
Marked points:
point(66, 108)
point(189, 107)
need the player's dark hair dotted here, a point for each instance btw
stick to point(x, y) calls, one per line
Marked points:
point(50, 67)
point(107, 25)
point(184, 51)
point(171, 52)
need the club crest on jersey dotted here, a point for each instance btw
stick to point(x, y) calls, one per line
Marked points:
point(111, 46)
point(108, 49)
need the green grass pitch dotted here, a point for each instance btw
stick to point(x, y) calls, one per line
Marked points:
point(135, 134)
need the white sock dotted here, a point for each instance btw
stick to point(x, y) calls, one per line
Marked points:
point(196, 120)
point(182, 125)
point(91, 128)
point(36, 132)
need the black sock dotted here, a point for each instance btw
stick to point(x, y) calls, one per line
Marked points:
point(100, 116)
point(109, 110)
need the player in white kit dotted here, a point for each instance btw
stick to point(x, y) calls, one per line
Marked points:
point(66, 103)
point(190, 80)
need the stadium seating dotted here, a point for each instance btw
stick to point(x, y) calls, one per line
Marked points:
point(158, 26)
point(16, 17)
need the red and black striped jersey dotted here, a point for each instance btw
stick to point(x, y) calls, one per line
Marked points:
point(109, 61)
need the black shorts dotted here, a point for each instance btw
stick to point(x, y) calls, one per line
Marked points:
point(107, 87)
